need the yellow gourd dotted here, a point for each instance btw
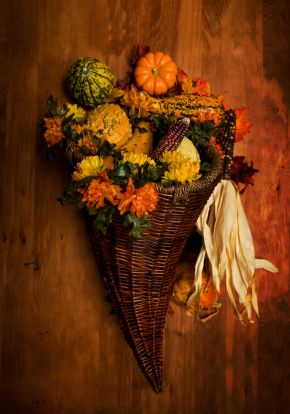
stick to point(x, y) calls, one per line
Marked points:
point(141, 141)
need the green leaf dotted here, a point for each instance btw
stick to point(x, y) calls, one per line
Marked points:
point(54, 109)
point(121, 173)
point(108, 149)
point(104, 217)
point(95, 140)
point(138, 224)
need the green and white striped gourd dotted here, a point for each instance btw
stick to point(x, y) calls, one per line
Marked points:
point(89, 81)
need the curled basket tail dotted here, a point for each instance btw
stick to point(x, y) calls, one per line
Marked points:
point(139, 273)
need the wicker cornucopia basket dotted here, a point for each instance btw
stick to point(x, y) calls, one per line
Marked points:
point(139, 274)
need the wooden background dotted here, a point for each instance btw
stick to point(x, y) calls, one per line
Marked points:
point(61, 350)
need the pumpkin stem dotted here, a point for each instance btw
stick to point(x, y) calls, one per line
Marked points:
point(154, 71)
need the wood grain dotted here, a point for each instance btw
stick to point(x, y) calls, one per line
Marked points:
point(61, 349)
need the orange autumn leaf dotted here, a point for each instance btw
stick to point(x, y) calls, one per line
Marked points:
point(184, 82)
point(202, 87)
point(242, 126)
point(218, 147)
point(226, 106)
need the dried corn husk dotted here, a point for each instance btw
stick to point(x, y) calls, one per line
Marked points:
point(229, 246)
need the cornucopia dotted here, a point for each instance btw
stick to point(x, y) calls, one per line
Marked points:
point(149, 156)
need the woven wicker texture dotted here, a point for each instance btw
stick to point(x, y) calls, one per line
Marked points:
point(139, 274)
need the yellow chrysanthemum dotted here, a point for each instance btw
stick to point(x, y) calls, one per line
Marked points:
point(187, 174)
point(136, 158)
point(87, 142)
point(175, 157)
point(78, 114)
point(88, 167)
point(180, 169)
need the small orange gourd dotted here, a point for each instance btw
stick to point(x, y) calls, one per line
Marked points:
point(155, 73)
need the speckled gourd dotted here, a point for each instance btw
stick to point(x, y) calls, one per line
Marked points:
point(89, 81)
point(109, 122)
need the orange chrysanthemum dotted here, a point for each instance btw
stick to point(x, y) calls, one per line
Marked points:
point(208, 116)
point(53, 134)
point(242, 126)
point(138, 201)
point(99, 190)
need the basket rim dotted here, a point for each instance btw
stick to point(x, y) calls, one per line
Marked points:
point(215, 173)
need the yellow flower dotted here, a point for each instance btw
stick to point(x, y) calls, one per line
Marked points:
point(136, 158)
point(88, 167)
point(78, 114)
point(87, 142)
point(180, 169)
point(175, 157)
point(186, 174)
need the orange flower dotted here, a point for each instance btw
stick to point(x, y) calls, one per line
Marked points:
point(208, 116)
point(138, 201)
point(209, 294)
point(242, 126)
point(78, 128)
point(208, 300)
point(53, 134)
point(109, 163)
point(127, 197)
point(202, 87)
point(99, 190)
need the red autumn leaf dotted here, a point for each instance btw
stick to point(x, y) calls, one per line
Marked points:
point(242, 172)
point(126, 82)
point(139, 51)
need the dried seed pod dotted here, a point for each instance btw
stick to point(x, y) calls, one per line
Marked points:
point(172, 138)
point(74, 153)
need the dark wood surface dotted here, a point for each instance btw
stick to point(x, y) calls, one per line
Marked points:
point(61, 350)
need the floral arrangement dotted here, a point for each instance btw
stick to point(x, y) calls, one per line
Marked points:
point(132, 146)
point(116, 128)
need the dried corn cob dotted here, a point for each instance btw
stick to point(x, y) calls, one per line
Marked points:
point(226, 137)
point(187, 105)
point(172, 139)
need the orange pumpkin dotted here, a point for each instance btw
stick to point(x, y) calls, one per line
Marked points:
point(155, 73)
